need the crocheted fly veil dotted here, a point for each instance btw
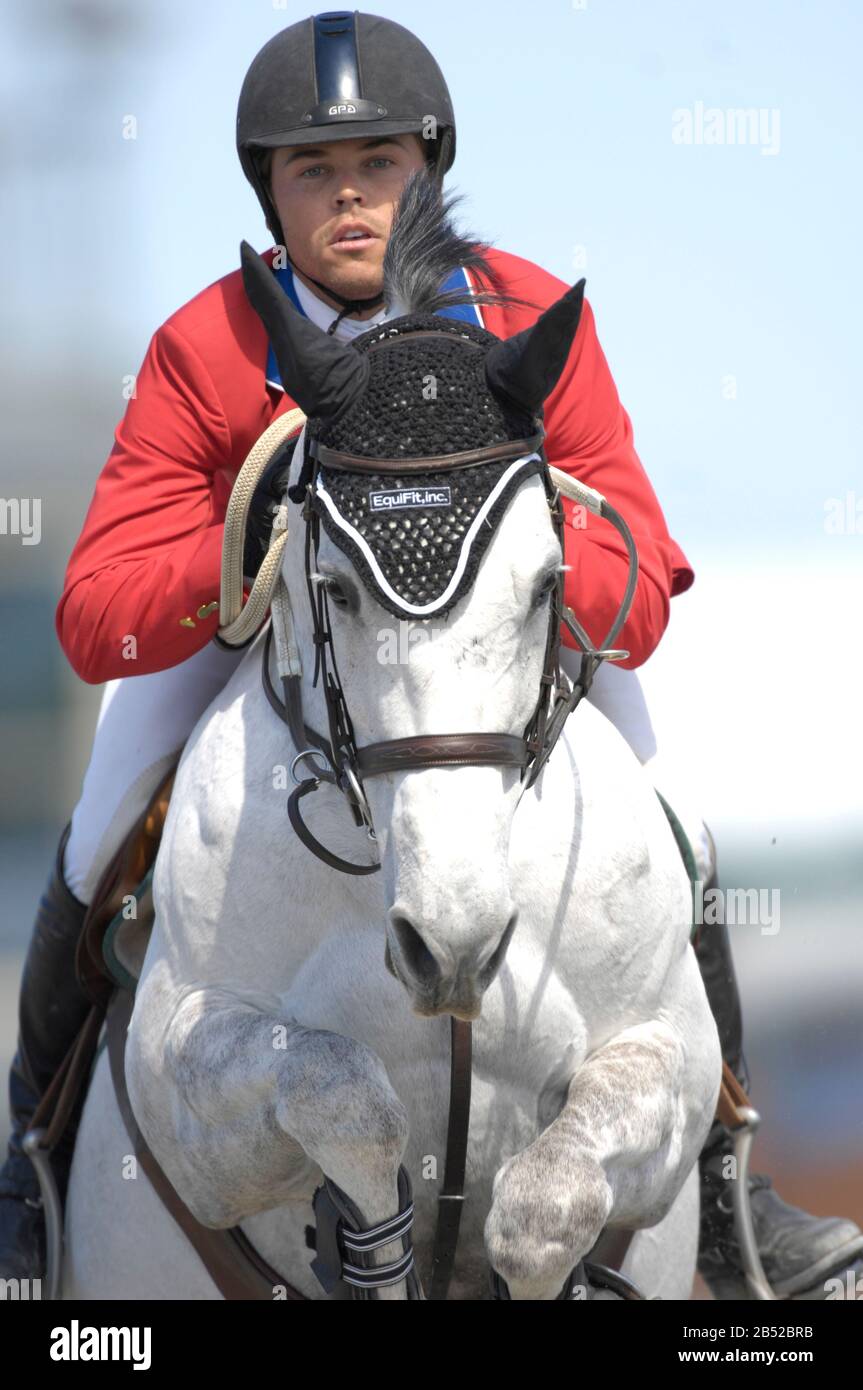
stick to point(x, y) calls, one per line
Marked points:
point(420, 431)
point(416, 535)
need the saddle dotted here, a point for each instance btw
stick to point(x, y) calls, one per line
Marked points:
point(110, 956)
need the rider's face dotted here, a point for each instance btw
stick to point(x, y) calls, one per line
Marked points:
point(318, 190)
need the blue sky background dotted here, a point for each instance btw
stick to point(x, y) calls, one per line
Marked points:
point(702, 263)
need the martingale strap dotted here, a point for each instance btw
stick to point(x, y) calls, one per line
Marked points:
point(451, 1194)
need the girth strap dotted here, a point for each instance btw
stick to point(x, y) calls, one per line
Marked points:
point(236, 1268)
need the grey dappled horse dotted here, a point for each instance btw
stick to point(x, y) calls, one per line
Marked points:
point(293, 1021)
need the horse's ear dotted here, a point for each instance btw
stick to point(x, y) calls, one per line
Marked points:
point(321, 375)
point(526, 367)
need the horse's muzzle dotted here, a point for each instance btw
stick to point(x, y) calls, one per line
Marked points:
point(439, 977)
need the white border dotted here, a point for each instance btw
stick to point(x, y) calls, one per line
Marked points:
point(421, 609)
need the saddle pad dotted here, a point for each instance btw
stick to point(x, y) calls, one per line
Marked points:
point(417, 539)
point(125, 942)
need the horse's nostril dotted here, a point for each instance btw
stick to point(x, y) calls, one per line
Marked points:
point(492, 965)
point(416, 954)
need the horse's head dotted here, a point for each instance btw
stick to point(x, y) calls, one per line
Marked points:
point(439, 575)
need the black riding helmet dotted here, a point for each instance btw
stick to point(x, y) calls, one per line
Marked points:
point(340, 76)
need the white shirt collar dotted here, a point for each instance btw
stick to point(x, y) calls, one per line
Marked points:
point(323, 314)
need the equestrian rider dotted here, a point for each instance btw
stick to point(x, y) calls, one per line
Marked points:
point(335, 113)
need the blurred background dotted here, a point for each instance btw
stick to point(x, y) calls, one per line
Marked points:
point(725, 277)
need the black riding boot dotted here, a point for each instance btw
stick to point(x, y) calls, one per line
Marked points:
point(52, 1010)
point(799, 1252)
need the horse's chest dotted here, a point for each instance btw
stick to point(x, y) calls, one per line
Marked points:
point(532, 1029)
point(529, 1040)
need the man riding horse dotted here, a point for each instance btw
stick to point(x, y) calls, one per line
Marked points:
point(335, 114)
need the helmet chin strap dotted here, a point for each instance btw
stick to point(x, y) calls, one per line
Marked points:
point(348, 305)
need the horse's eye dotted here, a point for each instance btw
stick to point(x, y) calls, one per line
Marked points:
point(336, 594)
point(549, 584)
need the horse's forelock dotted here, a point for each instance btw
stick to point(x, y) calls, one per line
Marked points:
point(424, 248)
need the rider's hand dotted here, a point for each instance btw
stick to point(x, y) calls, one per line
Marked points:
point(266, 499)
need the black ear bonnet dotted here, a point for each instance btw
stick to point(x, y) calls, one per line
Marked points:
point(417, 538)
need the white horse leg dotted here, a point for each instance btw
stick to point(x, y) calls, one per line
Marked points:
point(661, 1260)
point(245, 1110)
point(618, 1153)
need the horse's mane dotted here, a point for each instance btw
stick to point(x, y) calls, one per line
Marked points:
point(424, 248)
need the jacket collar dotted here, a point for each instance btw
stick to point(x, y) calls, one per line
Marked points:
point(459, 279)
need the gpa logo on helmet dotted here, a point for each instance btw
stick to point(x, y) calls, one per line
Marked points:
point(343, 109)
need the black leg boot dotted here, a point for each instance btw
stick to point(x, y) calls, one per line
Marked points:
point(799, 1252)
point(51, 1012)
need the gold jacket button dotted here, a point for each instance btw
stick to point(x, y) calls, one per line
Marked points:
point(188, 622)
point(207, 608)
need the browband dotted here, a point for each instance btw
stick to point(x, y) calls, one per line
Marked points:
point(355, 463)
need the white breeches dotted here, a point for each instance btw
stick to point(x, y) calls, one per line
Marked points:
point(618, 695)
point(144, 722)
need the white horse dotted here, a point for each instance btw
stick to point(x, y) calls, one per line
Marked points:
point(269, 1045)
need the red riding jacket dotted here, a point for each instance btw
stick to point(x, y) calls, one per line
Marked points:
point(149, 555)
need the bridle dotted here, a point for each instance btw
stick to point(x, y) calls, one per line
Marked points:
point(347, 766)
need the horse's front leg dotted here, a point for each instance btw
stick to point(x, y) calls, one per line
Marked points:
point(245, 1109)
point(631, 1126)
